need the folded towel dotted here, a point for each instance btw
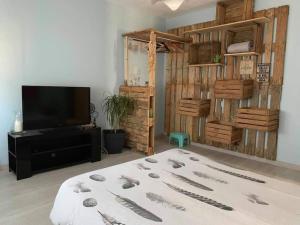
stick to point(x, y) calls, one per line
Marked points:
point(240, 47)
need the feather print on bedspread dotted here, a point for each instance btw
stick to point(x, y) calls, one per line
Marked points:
point(142, 167)
point(176, 164)
point(191, 182)
point(108, 220)
point(80, 187)
point(200, 198)
point(161, 200)
point(97, 177)
point(206, 176)
point(129, 182)
point(255, 199)
point(90, 202)
point(134, 207)
point(236, 174)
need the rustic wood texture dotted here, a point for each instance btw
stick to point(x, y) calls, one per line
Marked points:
point(234, 89)
point(183, 81)
point(204, 53)
point(223, 132)
point(138, 122)
point(257, 119)
point(193, 107)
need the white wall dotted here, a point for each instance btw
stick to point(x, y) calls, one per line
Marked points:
point(289, 132)
point(62, 42)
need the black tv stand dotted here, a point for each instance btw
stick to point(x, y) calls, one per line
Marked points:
point(37, 151)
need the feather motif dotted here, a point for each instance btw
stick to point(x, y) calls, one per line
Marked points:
point(160, 200)
point(142, 167)
point(191, 182)
point(176, 164)
point(134, 207)
point(108, 220)
point(200, 198)
point(129, 182)
point(236, 174)
point(205, 176)
point(183, 152)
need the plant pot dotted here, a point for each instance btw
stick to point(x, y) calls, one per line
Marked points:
point(114, 141)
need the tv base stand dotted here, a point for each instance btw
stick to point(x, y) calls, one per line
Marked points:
point(34, 152)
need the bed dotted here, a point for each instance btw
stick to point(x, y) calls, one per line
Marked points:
point(176, 187)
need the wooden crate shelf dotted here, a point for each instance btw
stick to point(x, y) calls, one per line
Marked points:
point(203, 53)
point(223, 132)
point(258, 119)
point(193, 107)
point(233, 89)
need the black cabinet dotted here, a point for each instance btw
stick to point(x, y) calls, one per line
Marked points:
point(36, 151)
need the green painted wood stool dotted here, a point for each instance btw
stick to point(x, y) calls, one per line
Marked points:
point(182, 138)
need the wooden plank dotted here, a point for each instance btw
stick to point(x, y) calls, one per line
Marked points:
point(257, 111)
point(257, 127)
point(281, 34)
point(257, 122)
point(220, 13)
point(145, 35)
point(257, 117)
point(248, 9)
point(230, 26)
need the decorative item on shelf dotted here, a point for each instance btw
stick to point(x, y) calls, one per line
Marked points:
point(240, 47)
point(217, 58)
point(193, 107)
point(257, 119)
point(263, 72)
point(223, 132)
point(234, 89)
point(94, 114)
point(117, 109)
point(203, 53)
point(246, 67)
point(18, 124)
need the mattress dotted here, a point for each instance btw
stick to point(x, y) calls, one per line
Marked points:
point(176, 187)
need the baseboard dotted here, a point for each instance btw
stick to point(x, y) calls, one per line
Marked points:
point(225, 151)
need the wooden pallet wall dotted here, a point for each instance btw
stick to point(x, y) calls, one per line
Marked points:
point(187, 82)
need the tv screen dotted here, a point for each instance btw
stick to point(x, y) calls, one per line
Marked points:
point(52, 107)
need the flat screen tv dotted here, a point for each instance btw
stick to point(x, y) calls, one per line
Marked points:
point(47, 107)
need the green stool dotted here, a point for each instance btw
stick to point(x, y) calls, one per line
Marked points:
point(182, 138)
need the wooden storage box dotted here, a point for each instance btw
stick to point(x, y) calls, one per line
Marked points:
point(193, 107)
point(234, 89)
point(223, 132)
point(203, 53)
point(258, 119)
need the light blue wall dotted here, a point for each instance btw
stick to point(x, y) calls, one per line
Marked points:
point(62, 42)
point(289, 132)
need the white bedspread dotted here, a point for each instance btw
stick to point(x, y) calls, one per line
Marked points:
point(176, 187)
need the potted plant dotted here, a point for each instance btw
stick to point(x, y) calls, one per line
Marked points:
point(117, 108)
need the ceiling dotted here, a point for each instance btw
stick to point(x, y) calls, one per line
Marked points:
point(160, 8)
